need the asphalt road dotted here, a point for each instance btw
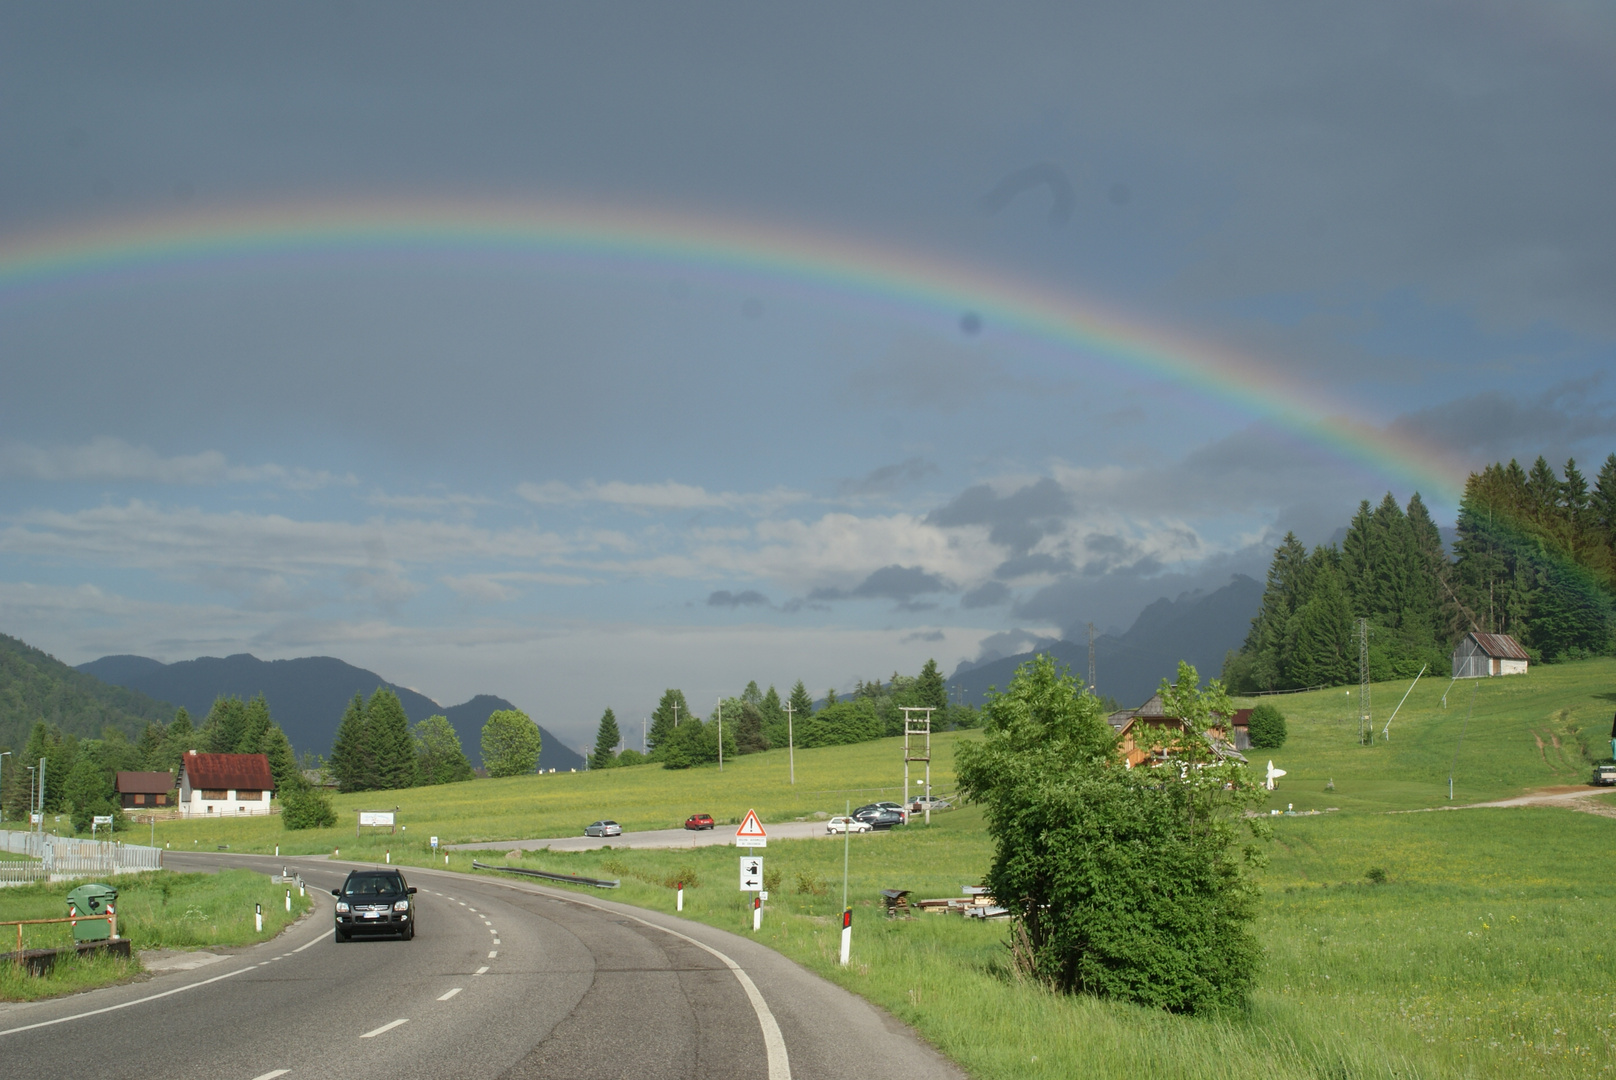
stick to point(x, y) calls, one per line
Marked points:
point(502, 980)
point(652, 838)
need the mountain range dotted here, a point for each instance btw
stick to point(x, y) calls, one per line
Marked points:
point(306, 696)
point(36, 686)
point(1200, 627)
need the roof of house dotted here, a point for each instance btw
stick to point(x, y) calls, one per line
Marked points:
point(1242, 718)
point(145, 783)
point(1499, 646)
point(244, 772)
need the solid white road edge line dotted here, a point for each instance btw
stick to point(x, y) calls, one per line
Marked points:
point(450, 994)
point(385, 1027)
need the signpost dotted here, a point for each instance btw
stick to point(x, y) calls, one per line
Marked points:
point(751, 873)
point(99, 820)
point(379, 818)
point(751, 834)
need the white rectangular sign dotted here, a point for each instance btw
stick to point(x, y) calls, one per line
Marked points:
point(434, 843)
point(375, 817)
point(751, 873)
point(100, 820)
point(35, 819)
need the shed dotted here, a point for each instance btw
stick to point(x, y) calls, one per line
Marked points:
point(225, 784)
point(1478, 656)
point(142, 790)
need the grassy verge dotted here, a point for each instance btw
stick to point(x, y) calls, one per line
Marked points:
point(155, 911)
point(70, 975)
point(1489, 950)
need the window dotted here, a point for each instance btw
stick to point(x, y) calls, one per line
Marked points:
point(140, 800)
point(162, 800)
point(250, 796)
point(216, 794)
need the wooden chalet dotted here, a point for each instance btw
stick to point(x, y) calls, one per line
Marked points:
point(1146, 733)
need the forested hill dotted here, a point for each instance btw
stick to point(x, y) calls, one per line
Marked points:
point(36, 686)
point(1198, 627)
point(306, 696)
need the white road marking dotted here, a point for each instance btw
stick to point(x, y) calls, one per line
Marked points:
point(310, 945)
point(124, 1005)
point(471, 909)
point(479, 971)
point(496, 941)
point(451, 993)
point(491, 930)
point(384, 1027)
point(272, 1074)
point(492, 953)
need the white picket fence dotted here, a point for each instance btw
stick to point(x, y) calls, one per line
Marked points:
point(56, 858)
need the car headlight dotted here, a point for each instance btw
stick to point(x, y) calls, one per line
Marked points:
point(401, 905)
point(342, 905)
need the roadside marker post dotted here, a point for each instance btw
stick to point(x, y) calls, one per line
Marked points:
point(389, 858)
point(258, 916)
point(277, 851)
point(847, 935)
point(288, 899)
point(679, 903)
point(757, 913)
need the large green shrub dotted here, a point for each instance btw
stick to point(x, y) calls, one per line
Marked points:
point(304, 806)
point(1122, 883)
point(1266, 727)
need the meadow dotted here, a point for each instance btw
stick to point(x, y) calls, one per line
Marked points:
point(1472, 943)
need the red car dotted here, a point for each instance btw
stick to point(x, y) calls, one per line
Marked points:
point(699, 821)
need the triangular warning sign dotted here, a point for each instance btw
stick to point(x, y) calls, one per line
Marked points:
point(751, 828)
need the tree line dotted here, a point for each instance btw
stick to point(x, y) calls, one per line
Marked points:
point(1535, 557)
point(375, 748)
point(756, 720)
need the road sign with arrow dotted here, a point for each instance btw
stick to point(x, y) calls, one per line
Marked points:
point(751, 873)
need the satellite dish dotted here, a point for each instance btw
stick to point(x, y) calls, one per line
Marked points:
point(1273, 774)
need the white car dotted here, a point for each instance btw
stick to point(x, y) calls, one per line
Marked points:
point(603, 828)
point(846, 824)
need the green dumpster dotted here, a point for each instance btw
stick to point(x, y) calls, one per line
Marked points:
point(91, 900)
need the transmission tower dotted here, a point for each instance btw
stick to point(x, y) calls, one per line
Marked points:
point(917, 727)
point(1091, 658)
point(1366, 727)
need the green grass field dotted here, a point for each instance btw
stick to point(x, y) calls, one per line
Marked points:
point(1486, 949)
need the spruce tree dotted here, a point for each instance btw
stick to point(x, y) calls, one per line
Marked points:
point(179, 737)
point(606, 739)
point(1357, 558)
point(749, 734)
point(802, 703)
point(930, 689)
point(670, 712)
point(255, 726)
point(153, 755)
point(752, 693)
point(351, 762)
point(774, 718)
point(274, 745)
point(224, 726)
point(391, 745)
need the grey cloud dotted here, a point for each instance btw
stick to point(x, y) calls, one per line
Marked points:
point(986, 595)
point(723, 598)
point(1044, 174)
point(900, 583)
point(927, 635)
point(1027, 565)
point(890, 478)
point(1018, 520)
point(1493, 426)
point(1007, 643)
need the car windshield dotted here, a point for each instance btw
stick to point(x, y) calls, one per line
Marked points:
point(374, 885)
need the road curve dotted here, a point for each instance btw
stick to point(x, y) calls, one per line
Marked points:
point(504, 979)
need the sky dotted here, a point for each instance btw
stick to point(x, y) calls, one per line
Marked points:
point(573, 352)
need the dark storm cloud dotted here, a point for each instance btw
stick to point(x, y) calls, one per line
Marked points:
point(1017, 520)
point(901, 583)
point(1027, 565)
point(986, 595)
point(723, 598)
point(1561, 421)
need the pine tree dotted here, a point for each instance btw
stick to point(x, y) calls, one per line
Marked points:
point(224, 726)
point(274, 745)
point(930, 689)
point(153, 754)
point(670, 712)
point(1602, 512)
point(606, 739)
point(351, 760)
point(752, 694)
point(775, 728)
point(255, 726)
point(1321, 646)
point(391, 745)
point(802, 703)
point(1357, 559)
point(179, 737)
point(749, 734)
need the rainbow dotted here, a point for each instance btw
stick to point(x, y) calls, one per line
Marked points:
point(856, 270)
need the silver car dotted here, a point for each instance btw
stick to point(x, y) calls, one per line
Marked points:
point(603, 828)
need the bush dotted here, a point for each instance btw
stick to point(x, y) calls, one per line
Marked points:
point(1121, 883)
point(307, 807)
point(1266, 728)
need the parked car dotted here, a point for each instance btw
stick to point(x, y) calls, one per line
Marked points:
point(869, 810)
point(1605, 775)
point(699, 821)
point(375, 902)
point(899, 807)
point(603, 828)
point(841, 824)
point(879, 817)
point(922, 802)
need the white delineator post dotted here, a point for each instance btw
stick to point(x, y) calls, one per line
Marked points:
point(258, 916)
point(288, 899)
point(757, 913)
point(389, 858)
point(679, 903)
point(847, 935)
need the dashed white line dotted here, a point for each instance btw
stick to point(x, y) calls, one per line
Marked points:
point(451, 993)
point(385, 1027)
point(272, 1074)
point(496, 941)
point(126, 1004)
point(480, 970)
point(492, 953)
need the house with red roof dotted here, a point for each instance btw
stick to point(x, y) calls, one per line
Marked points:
point(227, 785)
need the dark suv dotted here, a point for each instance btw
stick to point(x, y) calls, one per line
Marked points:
point(375, 902)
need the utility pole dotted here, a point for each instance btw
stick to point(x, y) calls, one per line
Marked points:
point(42, 796)
point(720, 734)
point(1091, 658)
point(791, 743)
point(644, 722)
point(920, 726)
point(1366, 728)
point(675, 714)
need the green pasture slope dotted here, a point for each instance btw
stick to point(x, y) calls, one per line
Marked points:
point(1488, 949)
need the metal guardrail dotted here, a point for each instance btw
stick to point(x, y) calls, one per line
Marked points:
point(570, 879)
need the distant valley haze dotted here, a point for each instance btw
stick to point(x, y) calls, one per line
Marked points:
point(567, 357)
